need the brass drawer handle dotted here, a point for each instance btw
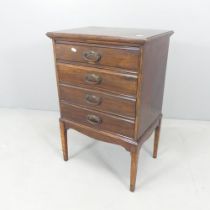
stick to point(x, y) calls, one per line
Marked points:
point(91, 56)
point(93, 100)
point(93, 79)
point(93, 119)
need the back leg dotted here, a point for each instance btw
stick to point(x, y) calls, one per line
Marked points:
point(156, 140)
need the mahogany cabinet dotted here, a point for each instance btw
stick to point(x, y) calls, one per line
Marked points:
point(110, 84)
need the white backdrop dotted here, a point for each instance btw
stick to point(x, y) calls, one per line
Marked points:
point(27, 78)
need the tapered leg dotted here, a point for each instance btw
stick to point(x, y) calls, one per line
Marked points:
point(156, 140)
point(63, 132)
point(134, 167)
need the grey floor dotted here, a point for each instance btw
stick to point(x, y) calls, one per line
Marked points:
point(33, 175)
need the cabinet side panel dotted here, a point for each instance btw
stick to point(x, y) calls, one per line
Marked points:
point(56, 72)
point(154, 62)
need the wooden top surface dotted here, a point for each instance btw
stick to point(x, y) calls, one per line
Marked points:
point(131, 35)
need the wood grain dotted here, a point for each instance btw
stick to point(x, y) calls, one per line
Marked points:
point(108, 123)
point(108, 35)
point(151, 89)
point(123, 84)
point(98, 100)
point(126, 58)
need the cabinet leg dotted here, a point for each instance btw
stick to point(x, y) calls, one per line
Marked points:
point(134, 167)
point(64, 143)
point(156, 140)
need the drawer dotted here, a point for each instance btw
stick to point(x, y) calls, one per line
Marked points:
point(97, 79)
point(98, 120)
point(126, 58)
point(97, 100)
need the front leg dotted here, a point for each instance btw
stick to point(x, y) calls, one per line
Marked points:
point(134, 167)
point(64, 143)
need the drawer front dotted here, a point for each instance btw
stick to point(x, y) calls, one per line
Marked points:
point(120, 58)
point(97, 120)
point(97, 79)
point(98, 100)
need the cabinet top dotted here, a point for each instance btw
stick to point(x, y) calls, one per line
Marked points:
point(108, 34)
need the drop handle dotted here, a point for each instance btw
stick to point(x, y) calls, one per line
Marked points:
point(93, 79)
point(91, 56)
point(93, 100)
point(93, 119)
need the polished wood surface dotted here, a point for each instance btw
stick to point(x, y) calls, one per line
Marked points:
point(151, 87)
point(109, 35)
point(99, 101)
point(125, 84)
point(110, 85)
point(98, 120)
point(124, 57)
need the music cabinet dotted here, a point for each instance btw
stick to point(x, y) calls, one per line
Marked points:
point(110, 85)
